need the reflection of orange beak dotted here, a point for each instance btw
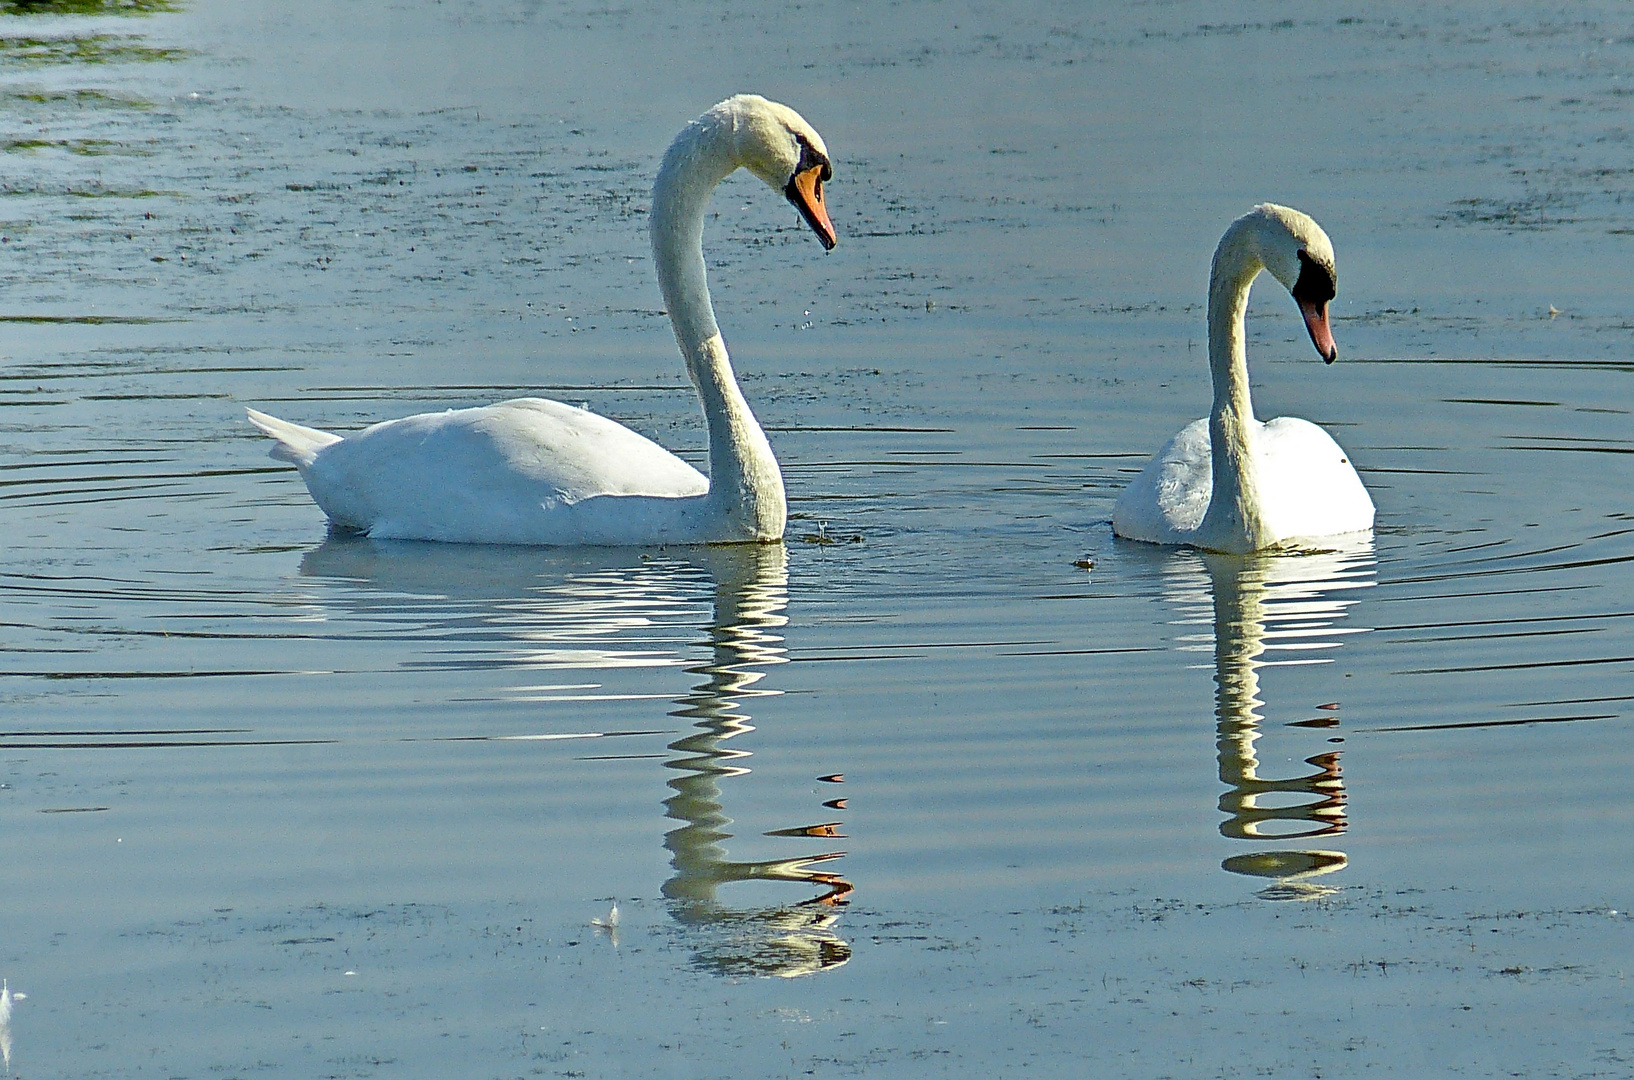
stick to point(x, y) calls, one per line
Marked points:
point(1316, 321)
point(805, 191)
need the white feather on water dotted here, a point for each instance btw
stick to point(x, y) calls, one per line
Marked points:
point(6, 998)
point(609, 923)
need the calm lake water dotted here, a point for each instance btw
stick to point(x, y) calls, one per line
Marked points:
point(952, 784)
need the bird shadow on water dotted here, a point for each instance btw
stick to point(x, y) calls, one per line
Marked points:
point(538, 608)
point(1267, 610)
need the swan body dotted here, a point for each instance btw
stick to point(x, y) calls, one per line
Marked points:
point(527, 471)
point(1230, 482)
point(533, 471)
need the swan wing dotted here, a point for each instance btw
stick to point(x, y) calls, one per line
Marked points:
point(1308, 487)
point(1167, 501)
point(512, 472)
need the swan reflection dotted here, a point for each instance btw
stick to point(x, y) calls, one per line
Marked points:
point(571, 610)
point(1271, 610)
point(750, 596)
point(543, 611)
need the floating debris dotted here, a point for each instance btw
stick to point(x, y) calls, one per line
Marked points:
point(828, 538)
point(608, 926)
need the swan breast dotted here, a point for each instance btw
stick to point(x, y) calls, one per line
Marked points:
point(1307, 486)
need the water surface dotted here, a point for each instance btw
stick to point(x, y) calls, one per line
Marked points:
point(951, 783)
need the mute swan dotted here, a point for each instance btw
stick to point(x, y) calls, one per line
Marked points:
point(1230, 483)
point(532, 471)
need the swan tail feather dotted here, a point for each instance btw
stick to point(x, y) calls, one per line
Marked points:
point(296, 444)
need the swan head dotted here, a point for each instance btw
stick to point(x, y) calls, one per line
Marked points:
point(776, 144)
point(1299, 254)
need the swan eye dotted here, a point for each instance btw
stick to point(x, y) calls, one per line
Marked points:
point(1316, 283)
point(811, 158)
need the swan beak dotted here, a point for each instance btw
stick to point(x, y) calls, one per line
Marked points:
point(1316, 321)
point(805, 191)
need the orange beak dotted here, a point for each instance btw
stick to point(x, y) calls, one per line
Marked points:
point(805, 191)
point(1316, 322)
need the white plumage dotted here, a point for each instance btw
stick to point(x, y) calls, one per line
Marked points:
point(532, 471)
point(1229, 482)
point(527, 471)
point(1308, 488)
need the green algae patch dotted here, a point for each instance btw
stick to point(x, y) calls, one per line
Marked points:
point(92, 191)
point(86, 49)
point(122, 193)
point(87, 7)
point(78, 147)
point(87, 320)
point(85, 99)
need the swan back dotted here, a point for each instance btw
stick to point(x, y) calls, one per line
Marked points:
point(528, 471)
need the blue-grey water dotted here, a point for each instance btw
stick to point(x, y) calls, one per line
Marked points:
point(951, 784)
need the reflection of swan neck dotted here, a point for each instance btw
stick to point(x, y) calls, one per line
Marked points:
point(1239, 639)
point(750, 596)
point(1234, 506)
point(1278, 807)
point(751, 593)
point(743, 474)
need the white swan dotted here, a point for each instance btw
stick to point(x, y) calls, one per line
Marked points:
point(1228, 482)
point(532, 471)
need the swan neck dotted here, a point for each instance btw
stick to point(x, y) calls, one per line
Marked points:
point(1232, 521)
point(745, 484)
point(697, 161)
point(1236, 265)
